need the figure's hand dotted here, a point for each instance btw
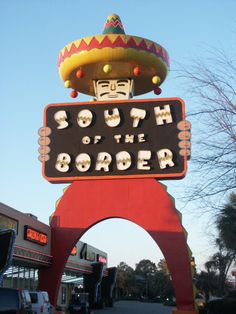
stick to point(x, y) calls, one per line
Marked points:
point(184, 137)
point(44, 142)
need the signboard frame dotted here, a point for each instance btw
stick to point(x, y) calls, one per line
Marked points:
point(169, 174)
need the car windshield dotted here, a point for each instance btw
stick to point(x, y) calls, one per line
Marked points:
point(34, 297)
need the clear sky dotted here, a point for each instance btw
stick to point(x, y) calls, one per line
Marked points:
point(32, 33)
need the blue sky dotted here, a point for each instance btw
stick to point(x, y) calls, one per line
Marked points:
point(32, 33)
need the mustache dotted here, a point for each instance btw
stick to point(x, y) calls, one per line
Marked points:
point(107, 93)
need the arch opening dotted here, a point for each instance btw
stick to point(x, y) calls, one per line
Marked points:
point(129, 242)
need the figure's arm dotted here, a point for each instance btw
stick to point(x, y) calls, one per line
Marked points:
point(184, 136)
point(44, 141)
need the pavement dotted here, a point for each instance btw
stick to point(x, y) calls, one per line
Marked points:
point(131, 307)
point(135, 307)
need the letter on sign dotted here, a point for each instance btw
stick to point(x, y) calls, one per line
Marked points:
point(60, 117)
point(143, 156)
point(83, 162)
point(103, 161)
point(84, 118)
point(165, 158)
point(123, 160)
point(163, 115)
point(137, 114)
point(112, 120)
point(63, 161)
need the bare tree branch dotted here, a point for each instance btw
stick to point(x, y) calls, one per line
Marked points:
point(212, 86)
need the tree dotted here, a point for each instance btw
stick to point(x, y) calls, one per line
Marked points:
point(155, 280)
point(146, 280)
point(147, 270)
point(162, 267)
point(212, 85)
point(226, 224)
point(163, 280)
point(125, 280)
point(206, 282)
point(214, 280)
point(220, 263)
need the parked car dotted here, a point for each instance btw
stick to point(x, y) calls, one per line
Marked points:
point(79, 304)
point(40, 302)
point(15, 301)
point(225, 305)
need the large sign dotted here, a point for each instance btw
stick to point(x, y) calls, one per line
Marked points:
point(102, 140)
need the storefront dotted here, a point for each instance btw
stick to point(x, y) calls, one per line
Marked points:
point(33, 250)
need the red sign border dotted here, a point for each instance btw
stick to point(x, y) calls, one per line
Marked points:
point(178, 175)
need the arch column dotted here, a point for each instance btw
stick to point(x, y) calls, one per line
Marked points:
point(141, 201)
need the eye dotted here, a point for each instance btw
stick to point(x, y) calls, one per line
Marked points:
point(104, 85)
point(121, 84)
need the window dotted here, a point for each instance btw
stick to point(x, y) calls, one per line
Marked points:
point(8, 223)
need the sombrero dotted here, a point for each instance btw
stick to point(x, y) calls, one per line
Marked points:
point(113, 55)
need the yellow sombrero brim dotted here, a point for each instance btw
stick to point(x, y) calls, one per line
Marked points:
point(122, 52)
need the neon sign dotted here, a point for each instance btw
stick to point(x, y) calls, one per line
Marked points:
point(74, 251)
point(35, 236)
point(101, 259)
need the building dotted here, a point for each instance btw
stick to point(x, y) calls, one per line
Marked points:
point(33, 250)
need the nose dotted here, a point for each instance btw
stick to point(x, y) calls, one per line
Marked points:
point(113, 87)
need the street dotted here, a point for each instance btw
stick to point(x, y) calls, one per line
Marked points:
point(135, 307)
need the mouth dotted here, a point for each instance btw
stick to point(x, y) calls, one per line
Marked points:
point(112, 96)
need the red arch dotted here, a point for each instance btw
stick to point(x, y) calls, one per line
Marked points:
point(142, 201)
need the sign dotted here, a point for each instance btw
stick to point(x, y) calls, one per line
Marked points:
point(102, 140)
point(35, 236)
point(102, 259)
point(74, 251)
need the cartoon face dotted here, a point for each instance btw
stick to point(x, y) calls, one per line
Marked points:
point(113, 89)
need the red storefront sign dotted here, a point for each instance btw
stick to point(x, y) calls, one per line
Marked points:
point(35, 236)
